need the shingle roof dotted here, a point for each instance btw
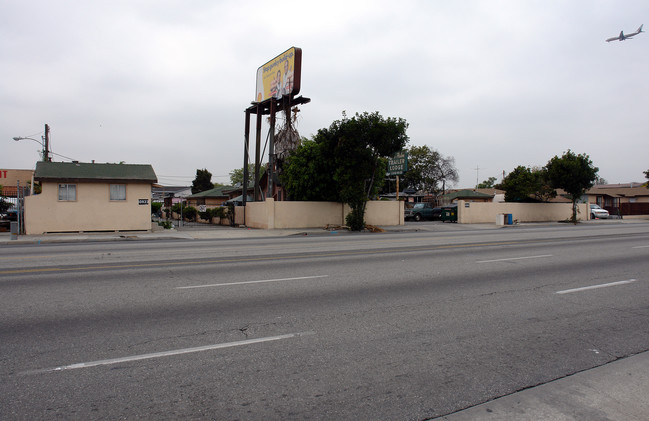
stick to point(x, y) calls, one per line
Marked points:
point(215, 192)
point(78, 171)
point(637, 191)
point(467, 194)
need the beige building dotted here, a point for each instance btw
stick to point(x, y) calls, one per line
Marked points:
point(78, 197)
point(10, 179)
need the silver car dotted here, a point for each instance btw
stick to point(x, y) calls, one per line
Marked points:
point(598, 213)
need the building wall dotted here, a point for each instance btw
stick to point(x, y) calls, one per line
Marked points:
point(92, 211)
point(286, 214)
point(487, 213)
point(12, 177)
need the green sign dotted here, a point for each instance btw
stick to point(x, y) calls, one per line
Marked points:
point(398, 164)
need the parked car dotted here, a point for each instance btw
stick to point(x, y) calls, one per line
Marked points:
point(598, 213)
point(421, 211)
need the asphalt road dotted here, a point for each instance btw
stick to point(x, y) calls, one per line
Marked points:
point(391, 326)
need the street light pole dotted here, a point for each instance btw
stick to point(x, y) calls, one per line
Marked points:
point(46, 153)
point(46, 145)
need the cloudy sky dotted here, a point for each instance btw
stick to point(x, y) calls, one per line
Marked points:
point(493, 84)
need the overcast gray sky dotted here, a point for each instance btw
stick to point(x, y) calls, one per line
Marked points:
point(493, 84)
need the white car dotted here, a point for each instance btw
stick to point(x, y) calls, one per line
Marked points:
point(598, 213)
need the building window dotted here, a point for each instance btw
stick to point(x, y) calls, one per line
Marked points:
point(67, 192)
point(118, 192)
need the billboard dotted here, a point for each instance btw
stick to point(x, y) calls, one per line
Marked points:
point(398, 164)
point(280, 76)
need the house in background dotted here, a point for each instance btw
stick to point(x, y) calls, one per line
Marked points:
point(210, 198)
point(629, 198)
point(468, 195)
point(78, 197)
point(170, 195)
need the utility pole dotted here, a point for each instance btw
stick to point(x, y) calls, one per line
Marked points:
point(477, 168)
point(46, 146)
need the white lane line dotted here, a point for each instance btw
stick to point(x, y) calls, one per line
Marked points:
point(254, 282)
point(169, 353)
point(611, 284)
point(639, 247)
point(514, 258)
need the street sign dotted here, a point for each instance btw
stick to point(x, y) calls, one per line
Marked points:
point(398, 163)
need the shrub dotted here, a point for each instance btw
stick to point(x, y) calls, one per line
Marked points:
point(155, 208)
point(190, 213)
point(166, 224)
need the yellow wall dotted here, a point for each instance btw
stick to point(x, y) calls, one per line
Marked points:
point(92, 211)
point(487, 213)
point(286, 214)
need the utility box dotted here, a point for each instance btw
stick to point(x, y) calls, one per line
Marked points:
point(13, 228)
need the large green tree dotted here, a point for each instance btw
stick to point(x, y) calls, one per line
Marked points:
point(422, 174)
point(574, 174)
point(526, 184)
point(427, 169)
point(345, 162)
point(202, 182)
point(309, 172)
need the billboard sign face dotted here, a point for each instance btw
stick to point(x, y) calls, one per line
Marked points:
point(398, 164)
point(280, 76)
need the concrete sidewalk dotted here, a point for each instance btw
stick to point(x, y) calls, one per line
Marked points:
point(615, 391)
point(177, 234)
point(192, 232)
point(197, 232)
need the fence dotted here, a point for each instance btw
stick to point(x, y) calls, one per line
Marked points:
point(15, 195)
point(631, 209)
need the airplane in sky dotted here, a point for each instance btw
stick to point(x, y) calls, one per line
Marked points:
point(622, 37)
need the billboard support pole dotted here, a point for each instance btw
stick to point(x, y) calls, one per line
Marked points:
point(271, 148)
point(257, 195)
point(246, 151)
point(268, 107)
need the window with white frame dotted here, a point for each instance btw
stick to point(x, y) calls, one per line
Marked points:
point(67, 192)
point(118, 192)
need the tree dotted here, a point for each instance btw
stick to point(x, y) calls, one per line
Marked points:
point(526, 184)
point(309, 173)
point(487, 184)
point(574, 174)
point(202, 182)
point(519, 185)
point(236, 175)
point(427, 168)
point(421, 174)
point(646, 174)
point(346, 162)
point(600, 181)
point(447, 171)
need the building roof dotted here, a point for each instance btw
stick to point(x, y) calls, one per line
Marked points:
point(220, 191)
point(606, 190)
point(91, 172)
point(467, 194)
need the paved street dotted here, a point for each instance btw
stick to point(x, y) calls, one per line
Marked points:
point(417, 324)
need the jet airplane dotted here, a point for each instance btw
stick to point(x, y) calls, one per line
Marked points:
point(623, 37)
